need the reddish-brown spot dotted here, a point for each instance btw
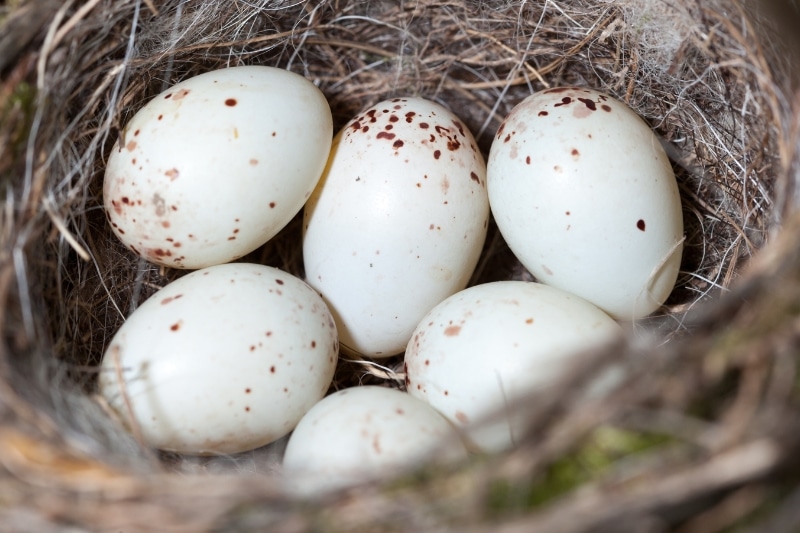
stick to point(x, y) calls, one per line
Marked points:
point(230, 102)
point(272, 205)
point(452, 331)
point(247, 390)
point(397, 144)
point(461, 417)
point(161, 253)
point(474, 177)
point(528, 160)
point(268, 334)
point(500, 129)
point(640, 224)
point(125, 200)
point(543, 113)
point(588, 103)
point(424, 125)
point(160, 117)
point(575, 153)
point(169, 299)
point(176, 326)
point(453, 145)
point(427, 362)
point(410, 116)
point(508, 138)
point(254, 162)
point(247, 409)
point(606, 108)
point(172, 174)
point(313, 344)
point(394, 118)
point(564, 101)
point(165, 224)
point(437, 154)
point(385, 135)
point(529, 321)
point(279, 281)
point(182, 94)
point(272, 369)
point(131, 146)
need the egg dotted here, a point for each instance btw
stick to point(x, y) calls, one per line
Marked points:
point(396, 223)
point(216, 165)
point(365, 434)
point(478, 354)
point(223, 360)
point(585, 197)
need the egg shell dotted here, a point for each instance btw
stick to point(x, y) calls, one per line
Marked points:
point(363, 434)
point(216, 165)
point(396, 223)
point(479, 353)
point(222, 360)
point(585, 197)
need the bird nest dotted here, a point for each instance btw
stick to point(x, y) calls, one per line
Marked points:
point(699, 436)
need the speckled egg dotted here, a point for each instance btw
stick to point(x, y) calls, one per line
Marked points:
point(585, 196)
point(365, 434)
point(396, 223)
point(215, 166)
point(222, 360)
point(477, 354)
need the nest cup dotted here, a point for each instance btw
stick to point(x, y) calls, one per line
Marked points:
point(695, 437)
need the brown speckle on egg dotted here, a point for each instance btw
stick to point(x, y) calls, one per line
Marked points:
point(230, 102)
point(437, 154)
point(452, 331)
point(385, 135)
point(640, 224)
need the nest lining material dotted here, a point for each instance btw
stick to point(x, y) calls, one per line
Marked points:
point(703, 75)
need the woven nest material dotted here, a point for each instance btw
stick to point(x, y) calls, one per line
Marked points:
point(700, 437)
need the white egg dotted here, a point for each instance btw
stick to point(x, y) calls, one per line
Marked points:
point(365, 434)
point(215, 166)
point(586, 198)
point(222, 360)
point(397, 222)
point(479, 352)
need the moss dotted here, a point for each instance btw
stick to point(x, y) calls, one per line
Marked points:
point(599, 452)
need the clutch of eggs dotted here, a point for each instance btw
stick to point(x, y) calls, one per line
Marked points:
point(223, 360)
point(585, 197)
point(216, 165)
